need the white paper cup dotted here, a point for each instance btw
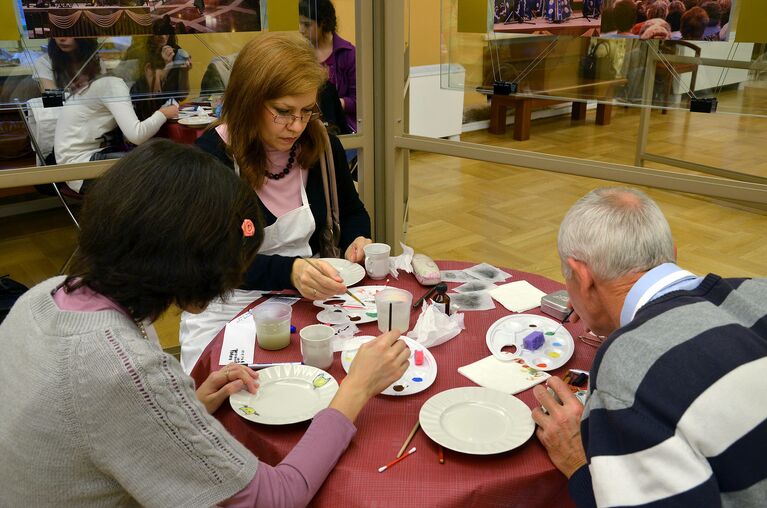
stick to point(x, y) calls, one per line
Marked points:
point(399, 301)
point(272, 325)
point(377, 260)
point(317, 346)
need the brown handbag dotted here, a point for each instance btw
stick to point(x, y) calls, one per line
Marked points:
point(331, 233)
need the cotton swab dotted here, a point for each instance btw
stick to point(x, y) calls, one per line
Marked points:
point(390, 464)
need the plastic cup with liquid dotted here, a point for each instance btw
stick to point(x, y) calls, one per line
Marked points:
point(395, 303)
point(317, 346)
point(272, 325)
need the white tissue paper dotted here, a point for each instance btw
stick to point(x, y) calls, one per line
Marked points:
point(434, 327)
point(402, 262)
point(518, 296)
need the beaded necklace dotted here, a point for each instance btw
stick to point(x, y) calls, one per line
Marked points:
point(284, 172)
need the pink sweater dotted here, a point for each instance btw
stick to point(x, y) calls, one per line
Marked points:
point(278, 196)
point(292, 482)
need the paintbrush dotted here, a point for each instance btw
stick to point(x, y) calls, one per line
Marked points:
point(409, 438)
point(316, 267)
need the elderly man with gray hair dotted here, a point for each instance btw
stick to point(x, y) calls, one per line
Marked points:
point(677, 411)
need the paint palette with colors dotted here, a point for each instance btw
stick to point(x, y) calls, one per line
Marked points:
point(510, 332)
point(416, 378)
point(345, 306)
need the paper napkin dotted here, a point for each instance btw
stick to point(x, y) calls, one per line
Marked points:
point(509, 377)
point(518, 296)
point(239, 340)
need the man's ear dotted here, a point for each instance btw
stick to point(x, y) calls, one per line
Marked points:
point(582, 274)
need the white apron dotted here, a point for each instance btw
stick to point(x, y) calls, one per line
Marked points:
point(288, 236)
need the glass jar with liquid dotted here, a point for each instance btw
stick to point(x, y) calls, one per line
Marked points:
point(441, 300)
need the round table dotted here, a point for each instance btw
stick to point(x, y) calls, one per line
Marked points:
point(521, 477)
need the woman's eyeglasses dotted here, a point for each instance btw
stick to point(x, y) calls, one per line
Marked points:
point(592, 339)
point(288, 119)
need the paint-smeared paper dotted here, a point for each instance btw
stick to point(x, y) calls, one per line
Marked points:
point(508, 377)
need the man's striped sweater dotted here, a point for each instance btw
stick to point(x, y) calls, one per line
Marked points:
point(677, 414)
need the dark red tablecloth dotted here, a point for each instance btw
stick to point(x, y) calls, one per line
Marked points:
point(522, 477)
point(184, 134)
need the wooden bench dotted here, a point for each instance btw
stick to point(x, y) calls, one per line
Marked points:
point(524, 105)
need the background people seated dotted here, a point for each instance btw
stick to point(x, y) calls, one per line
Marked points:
point(270, 134)
point(97, 119)
point(655, 430)
point(64, 57)
point(694, 23)
point(317, 22)
point(624, 16)
point(95, 413)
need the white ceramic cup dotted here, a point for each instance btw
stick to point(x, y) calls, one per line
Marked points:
point(399, 302)
point(377, 260)
point(316, 346)
point(272, 325)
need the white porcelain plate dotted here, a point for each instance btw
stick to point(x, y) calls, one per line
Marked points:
point(357, 313)
point(350, 272)
point(196, 120)
point(511, 330)
point(288, 394)
point(416, 378)
point(476, 420)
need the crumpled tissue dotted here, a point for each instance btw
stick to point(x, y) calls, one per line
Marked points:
point(402, 262)
point(344, 335)
point(434, 327)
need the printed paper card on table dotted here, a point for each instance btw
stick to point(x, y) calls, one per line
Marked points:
point(507, 377)
point(239, 344)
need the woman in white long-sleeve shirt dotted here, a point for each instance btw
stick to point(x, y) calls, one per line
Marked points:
point(95, 110)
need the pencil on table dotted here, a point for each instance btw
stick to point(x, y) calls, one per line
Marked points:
point(440, 454)
point(409, 438)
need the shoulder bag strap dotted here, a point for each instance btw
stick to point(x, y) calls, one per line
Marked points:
point(329, 184)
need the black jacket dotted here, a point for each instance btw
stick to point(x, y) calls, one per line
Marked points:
point(273, 272)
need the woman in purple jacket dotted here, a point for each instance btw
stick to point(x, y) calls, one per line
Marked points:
point(318, 23)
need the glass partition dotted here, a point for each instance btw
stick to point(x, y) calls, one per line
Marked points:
point(151, 55)
point(646, 92)
point(544, 59)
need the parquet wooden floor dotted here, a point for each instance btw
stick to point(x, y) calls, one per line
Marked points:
point(509, 216)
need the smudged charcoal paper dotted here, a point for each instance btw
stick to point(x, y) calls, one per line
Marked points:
point(479, 285)
point(455, 276)
point(478, 300)
point(487, 272)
